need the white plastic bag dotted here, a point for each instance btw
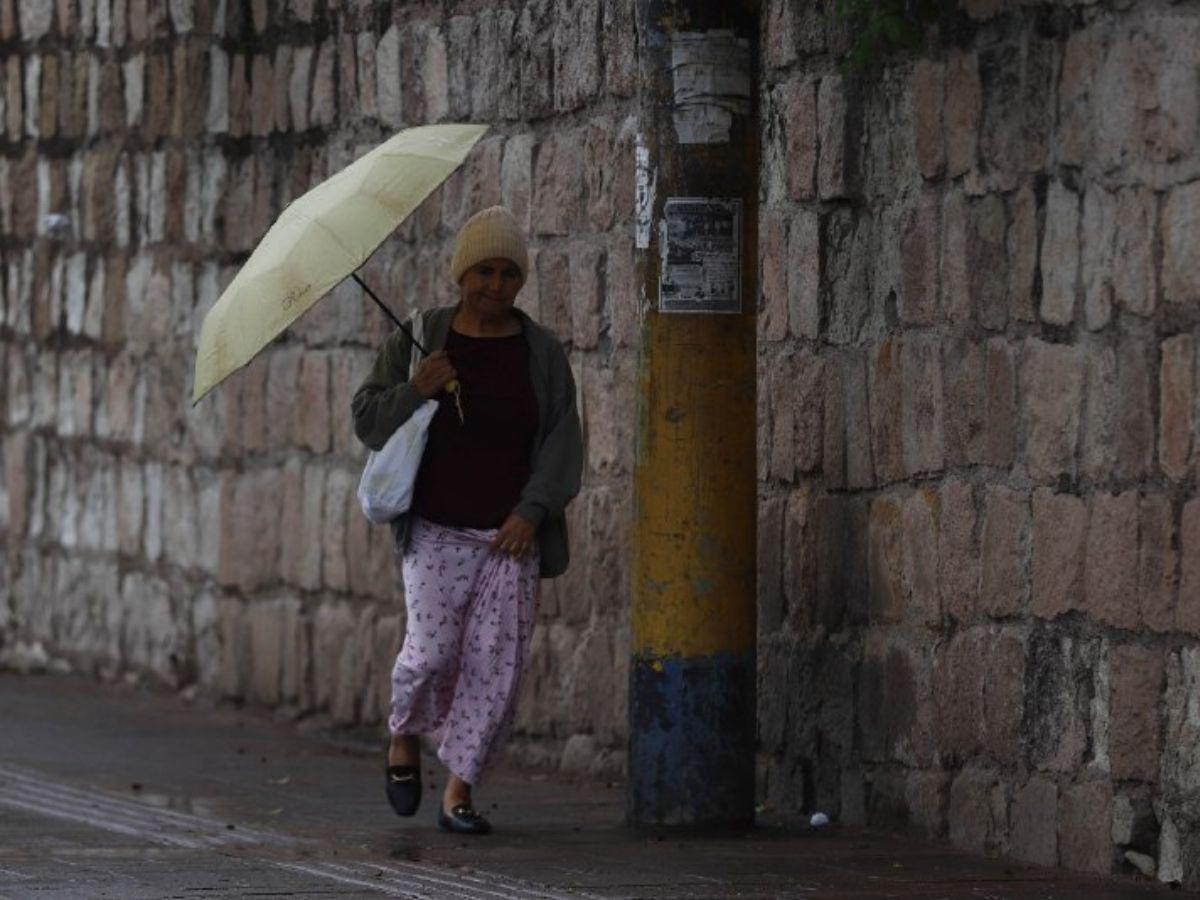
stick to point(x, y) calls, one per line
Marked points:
point(386, 487)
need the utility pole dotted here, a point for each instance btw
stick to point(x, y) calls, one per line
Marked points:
point(692, 674)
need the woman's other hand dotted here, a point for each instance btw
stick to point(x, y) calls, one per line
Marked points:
point(515, 537)
point(433, 374)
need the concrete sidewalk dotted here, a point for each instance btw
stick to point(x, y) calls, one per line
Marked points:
point(118, 792)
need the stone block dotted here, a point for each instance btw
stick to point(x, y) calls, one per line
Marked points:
point(1177, 405)
point(893, 685)
point(621, 292)
point(920, 557)
point(602, 159)
point(262, 95)
point(265, 631)
point(926, 87)
point(1004, 697)
point(918, 300)
point(298, 86)
point(180, 522)
point(835, 164)
point(516, 171)
point(607, 414)
point(1135, 280)
point(1084, 824)
point(958, 554)
point(18, 469)
point(1110, 578)
point(887, 411)
point(554, 293)
point(250, 530)
point(842, 589)
point(1158, 563)
point(1059, 538)
point(923, 407)
point(1098, 456)
point(339, 518)
point(780, 21)
point(1135, 737)
point(799, 557)
point(1050, 385)
point(387, 78)
point(954, 277)
point(1146, 106)
point(587, 294)
point(1058, 706)
point(36, 20)
point(1082, 56)
point(1180, 761)
point(474, 186)
point(1188, 616)
point(885, 562)
point(1018, 111)
point(958, 676)
point(1060, 255)
point(312, 412)
point(773, 309)
point(978, 812)
point(798, 100)
point(771, 604)
point(333, 651)
point(1180, 226)
point(1097, 238)
point(846, 249)
point(961, 112)
point(927, 797)
point(576, 54)
point(620, 43)
point(351, 92)
point(1135, 429)
point(987, 261)
point(804, 275)
point(557, 184)
point(322, 108)
point(1004, 550)
point(1033, 836)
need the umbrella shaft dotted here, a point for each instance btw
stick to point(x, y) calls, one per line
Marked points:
point(391, 315)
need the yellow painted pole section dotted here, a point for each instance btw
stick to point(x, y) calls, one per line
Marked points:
point(694, 561)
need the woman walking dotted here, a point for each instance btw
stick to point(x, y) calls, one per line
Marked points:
point(503, 459)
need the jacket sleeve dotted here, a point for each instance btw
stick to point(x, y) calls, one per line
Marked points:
point(385, 400)
point(558, 468)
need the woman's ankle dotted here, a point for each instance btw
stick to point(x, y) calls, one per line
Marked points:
point(405, 750)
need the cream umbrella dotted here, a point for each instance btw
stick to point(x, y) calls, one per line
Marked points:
point(319, 239)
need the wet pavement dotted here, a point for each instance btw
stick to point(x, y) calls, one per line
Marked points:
point(110, 791)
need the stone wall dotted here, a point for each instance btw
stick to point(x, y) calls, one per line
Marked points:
point(145, 147)
point(979, 528)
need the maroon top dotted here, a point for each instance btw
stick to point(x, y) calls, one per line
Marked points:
point(473, 471)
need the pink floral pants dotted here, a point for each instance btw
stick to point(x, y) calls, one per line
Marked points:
point(470, 616)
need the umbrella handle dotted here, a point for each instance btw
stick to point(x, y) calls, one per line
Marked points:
point(391, 315)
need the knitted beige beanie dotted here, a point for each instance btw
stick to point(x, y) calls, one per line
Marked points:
point(490, 233)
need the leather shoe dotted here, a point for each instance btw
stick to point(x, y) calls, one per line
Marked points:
point(463, 819)
point(404, 789)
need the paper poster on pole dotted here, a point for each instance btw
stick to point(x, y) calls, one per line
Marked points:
point(701, 255)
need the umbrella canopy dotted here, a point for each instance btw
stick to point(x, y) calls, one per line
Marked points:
point(319, 239)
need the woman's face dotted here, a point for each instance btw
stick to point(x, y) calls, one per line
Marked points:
point(490, 287)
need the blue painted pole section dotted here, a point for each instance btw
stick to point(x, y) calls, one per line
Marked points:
point(691, 744)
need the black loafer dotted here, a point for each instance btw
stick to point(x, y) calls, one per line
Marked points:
point(463, 819)
point(404, 789)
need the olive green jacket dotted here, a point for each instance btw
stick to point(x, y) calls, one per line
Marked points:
point(386, 400)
